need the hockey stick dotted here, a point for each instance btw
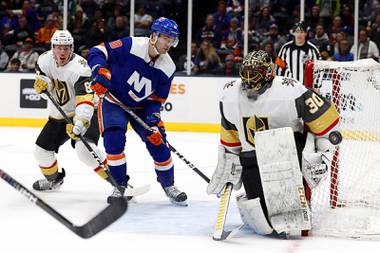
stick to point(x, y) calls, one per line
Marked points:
point(94, 226)
point(92, 152)
point(127, 191)
point(219, 233)
point(114, 100)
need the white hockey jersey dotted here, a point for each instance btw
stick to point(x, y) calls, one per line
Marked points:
point(287, 103)
point(70, 83)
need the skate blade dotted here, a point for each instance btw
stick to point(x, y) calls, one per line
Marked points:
point(180, 204)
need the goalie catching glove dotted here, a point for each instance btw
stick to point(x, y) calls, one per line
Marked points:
point(314, 169)
point(228, 170)
point(315, 164)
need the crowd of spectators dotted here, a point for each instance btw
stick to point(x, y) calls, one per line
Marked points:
point(217, 48)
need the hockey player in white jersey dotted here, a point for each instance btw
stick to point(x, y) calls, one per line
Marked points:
point(258, 101)
point(66, 76)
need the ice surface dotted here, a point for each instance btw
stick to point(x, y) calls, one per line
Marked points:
point(151, 223)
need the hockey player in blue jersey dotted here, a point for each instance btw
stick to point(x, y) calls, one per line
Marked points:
point(137, 71)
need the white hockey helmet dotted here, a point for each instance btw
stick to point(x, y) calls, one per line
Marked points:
point(62, 37)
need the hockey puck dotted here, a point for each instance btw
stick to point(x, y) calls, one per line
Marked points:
point(335, 137)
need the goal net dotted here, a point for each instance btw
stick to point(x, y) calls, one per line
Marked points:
point(347, 202)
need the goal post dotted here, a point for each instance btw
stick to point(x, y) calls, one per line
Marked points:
point(347, 202)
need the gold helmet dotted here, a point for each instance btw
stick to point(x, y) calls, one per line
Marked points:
point(256, 72)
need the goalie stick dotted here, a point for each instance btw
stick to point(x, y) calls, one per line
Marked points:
point(106, 217)
point(114, 100)
point(127, 191)
point(219, 233)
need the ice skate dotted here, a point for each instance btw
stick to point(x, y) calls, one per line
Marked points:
point(176, 196)
point(129, 193)
point(116, 194)
point(45, 185)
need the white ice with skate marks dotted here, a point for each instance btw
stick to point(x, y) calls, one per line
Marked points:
point(150, 224)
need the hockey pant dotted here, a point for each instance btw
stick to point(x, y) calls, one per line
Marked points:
point(114, 121)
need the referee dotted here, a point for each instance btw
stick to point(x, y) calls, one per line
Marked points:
point(293, 54)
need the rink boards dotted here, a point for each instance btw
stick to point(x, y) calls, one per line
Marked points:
point(192, 104)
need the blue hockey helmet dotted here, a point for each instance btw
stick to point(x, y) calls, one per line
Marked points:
point(166, 26)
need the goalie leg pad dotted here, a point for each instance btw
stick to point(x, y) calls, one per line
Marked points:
point(252, 214)
point(281, 179)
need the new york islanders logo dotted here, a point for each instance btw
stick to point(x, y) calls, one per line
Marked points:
point(141, 85)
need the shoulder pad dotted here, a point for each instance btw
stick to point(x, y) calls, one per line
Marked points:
point(229, 84)
point(80, 66)
point(166, 65)
point(231, 90)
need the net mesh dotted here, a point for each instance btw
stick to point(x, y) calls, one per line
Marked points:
point(347, 202)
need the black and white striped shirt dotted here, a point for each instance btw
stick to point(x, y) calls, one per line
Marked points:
point(291, 59)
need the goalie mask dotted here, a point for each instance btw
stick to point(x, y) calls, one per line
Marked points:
point(256, 73)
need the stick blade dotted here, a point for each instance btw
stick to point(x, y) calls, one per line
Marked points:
point(221, 236)
point(226, 234)
point(105, 218)
point(136, 191)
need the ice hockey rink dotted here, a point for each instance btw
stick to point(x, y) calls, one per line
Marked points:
point(151, 222)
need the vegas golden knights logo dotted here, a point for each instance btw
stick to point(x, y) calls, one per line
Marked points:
point(252, 125)
point(61, 92)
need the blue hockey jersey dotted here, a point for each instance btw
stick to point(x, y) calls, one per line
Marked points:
point(136, 79)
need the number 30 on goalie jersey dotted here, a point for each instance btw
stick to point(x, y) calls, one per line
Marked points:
point(282, 105)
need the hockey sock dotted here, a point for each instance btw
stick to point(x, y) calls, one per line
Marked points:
point(99, 170)
point(166, 178)
point(50, 172)
point(118, 168)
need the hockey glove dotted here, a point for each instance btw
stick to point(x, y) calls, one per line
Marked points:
point(314, 168)
point(102, 81)
point(42, 84)
point(79, 128)
point(158, 134)
point(228, 170)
